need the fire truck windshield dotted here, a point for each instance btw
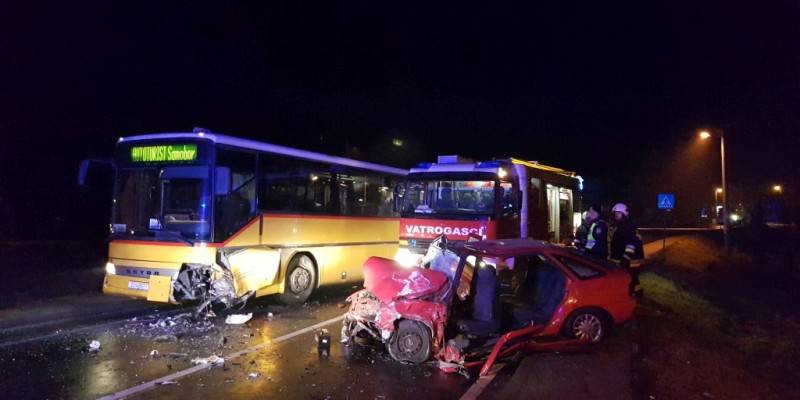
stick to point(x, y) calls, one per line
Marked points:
point(448, 197)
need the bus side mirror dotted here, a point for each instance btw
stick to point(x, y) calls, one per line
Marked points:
point(86, 165)
point(222, 181)
point(518, 206)
point(83, 170)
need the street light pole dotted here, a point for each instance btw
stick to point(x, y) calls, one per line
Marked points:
point(725, 223)
point(726, 226)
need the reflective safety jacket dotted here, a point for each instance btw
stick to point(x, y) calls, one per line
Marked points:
point(597, 240)
point(624, 243)
point(580, 236)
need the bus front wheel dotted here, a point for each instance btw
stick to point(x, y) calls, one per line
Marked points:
point(300, 280)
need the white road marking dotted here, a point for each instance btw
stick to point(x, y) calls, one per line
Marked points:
point(197, 368)
point(480, 385)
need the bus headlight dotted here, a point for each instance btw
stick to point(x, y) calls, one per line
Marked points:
point(111, 269)
point(406, 258)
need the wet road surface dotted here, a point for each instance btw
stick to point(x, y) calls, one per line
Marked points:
point(153, 345)
point(275, 356)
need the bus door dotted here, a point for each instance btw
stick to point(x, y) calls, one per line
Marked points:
point(538, 220)
point(559, 206)
point(509, 202)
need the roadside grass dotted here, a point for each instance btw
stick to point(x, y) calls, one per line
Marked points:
point(666, 296)
point(717, 325)
point(698, 254)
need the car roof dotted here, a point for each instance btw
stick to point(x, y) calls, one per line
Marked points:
point(508, 247)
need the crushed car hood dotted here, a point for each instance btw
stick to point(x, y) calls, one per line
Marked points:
point(388, 280)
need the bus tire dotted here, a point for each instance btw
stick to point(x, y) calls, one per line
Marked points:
point(300, 280)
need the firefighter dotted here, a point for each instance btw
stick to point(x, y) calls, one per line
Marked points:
point(626, 246)
point(596, 240)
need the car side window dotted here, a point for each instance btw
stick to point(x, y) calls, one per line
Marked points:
point(579, 268)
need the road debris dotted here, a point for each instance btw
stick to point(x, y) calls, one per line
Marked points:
point(169, 321)
point(253, 375)
point(323, 338)
point(166, 338)
point(167, 383)
point(94, 346)
point(238, 319)
point(154, 353)
point(311, 304)
point(212, 360)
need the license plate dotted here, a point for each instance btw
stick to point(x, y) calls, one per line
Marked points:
point(138, 285)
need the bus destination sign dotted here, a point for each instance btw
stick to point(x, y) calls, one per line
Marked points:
point(164, 153)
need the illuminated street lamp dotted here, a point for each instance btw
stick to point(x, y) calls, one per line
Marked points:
point(705, 135)
point(717, 206)
point(777, 189)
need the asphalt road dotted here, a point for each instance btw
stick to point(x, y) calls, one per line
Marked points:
point(268, 357)
point(146, 351)
point(272, 356)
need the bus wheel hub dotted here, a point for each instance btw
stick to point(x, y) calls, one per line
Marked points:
point(300, 280)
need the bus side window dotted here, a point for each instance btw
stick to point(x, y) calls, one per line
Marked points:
point(508, 198)
point(345, 195)
point(235, 208)
point(377, 197)
point(290, 185)
point(364, 193)
point(389, 194)
point(319, 193)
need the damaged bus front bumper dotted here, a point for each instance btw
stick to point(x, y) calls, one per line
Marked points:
point(194, 282)
point(209, 281)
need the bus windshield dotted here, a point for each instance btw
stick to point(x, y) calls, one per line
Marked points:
point(448, 197)
point(166, 203)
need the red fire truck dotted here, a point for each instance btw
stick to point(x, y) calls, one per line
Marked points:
point(498, 199)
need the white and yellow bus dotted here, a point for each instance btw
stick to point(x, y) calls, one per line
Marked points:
point(206, 217)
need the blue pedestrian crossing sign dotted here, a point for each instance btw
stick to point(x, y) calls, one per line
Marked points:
point(666, 201)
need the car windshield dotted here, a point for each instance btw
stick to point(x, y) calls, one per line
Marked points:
point(448, 197)
point(168, 203)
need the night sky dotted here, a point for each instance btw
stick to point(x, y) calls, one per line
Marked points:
point(613, 91)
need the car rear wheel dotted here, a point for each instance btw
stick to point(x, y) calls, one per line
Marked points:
point(589, 325)
point(299, 281)
point(410, 342)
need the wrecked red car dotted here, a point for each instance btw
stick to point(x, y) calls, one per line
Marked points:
point(468, 306)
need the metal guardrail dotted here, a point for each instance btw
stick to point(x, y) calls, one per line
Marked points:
point(683, 229)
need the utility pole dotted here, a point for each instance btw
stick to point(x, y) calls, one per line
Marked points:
point(726, 225)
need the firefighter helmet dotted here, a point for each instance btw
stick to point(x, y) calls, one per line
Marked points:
point(620, 207)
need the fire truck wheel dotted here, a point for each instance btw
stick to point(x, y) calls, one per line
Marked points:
point(300, 280)
point(587, 324)
point(410, 342)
